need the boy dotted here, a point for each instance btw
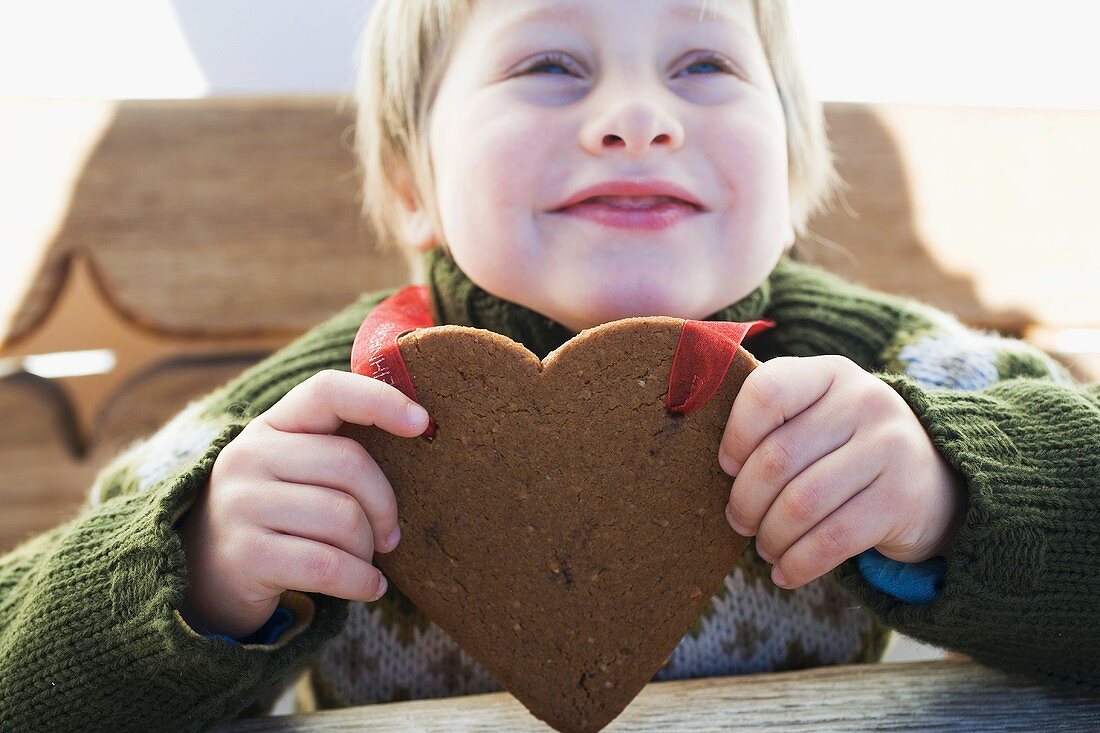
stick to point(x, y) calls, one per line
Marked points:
point(549, 166)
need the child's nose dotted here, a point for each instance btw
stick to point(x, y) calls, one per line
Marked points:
point(636, 127)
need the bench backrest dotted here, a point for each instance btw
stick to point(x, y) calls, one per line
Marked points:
point(199, 235)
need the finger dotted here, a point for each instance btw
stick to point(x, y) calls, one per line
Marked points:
point(338, 463)
point(856, 526)
point(331, 397)
point(314, 567)
point(781, 456)
point(318, 513)
point(773, 393)
point(814, 494)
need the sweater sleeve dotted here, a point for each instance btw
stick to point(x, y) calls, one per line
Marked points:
point(91, 637)
point(1020, 589)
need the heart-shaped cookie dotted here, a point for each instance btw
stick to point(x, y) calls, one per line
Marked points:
point(561, 524)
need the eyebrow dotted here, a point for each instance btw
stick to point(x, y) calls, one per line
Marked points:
point(576, 16)
point(692, 13)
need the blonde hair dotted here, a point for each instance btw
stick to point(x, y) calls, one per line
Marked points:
point(403, 54)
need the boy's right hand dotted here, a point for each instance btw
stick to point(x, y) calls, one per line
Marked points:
point(291, 506)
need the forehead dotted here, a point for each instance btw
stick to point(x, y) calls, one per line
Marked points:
point(510, 15)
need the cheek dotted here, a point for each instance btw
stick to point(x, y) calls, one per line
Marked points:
point(509, 155)
point(750, 148)
point(493, 173)
point(491, 187)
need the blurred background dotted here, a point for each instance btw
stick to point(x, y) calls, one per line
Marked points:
point(180, 199)
point(963, 52)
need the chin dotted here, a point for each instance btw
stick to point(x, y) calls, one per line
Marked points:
point(596, 315)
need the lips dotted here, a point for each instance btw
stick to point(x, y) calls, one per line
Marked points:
point(633, 193)
point(647, 213)
point(634, 203)
point(648, 203)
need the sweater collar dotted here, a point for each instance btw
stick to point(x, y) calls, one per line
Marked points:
point(457, 300)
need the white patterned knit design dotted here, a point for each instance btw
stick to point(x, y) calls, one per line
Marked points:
point(950, 355)
point(150, 460)
point(367, 663)
point(754, 627)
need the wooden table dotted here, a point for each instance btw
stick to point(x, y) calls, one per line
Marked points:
point(929, 696)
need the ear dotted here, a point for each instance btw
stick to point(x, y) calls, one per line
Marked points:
point(414, 223)
point(791, 238)
point(416, 230)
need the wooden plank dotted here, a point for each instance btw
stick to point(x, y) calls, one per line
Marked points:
point(43, 480)
point(81, 319)
point(149, 400)
point(41, 485)
point(222, 216)
point(909, 696)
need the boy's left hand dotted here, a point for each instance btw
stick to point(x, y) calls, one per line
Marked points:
point(830, 461)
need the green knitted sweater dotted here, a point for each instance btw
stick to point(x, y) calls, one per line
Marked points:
point(91, 639)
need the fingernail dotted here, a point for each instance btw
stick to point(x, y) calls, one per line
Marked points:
point(391, 541)
point(383, 584)
point(729, 465)
point(778, 579)
point(737, 527)
point(417, 416)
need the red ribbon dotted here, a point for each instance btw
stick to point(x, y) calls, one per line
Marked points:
point(703, 356)
point(703, 353)
point(375, 352)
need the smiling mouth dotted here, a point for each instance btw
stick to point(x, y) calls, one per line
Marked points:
point(638, 213)
point(632, 203)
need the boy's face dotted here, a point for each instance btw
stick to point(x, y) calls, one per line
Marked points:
point(544, 98)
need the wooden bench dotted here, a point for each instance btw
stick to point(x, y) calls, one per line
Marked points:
point(903, 696)
point(193, 237)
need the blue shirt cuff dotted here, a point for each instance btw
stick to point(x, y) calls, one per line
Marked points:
point(912, 582)
point(272, 629)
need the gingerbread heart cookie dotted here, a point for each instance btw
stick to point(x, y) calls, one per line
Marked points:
point(563, 520)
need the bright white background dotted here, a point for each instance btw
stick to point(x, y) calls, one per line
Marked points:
point(1011, 53)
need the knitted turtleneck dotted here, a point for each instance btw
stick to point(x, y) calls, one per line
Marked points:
point(456, 299)
point(91, 638)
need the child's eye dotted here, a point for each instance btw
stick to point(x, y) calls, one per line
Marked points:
point(558, 64)
point(713, 61)
point(551, 61)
